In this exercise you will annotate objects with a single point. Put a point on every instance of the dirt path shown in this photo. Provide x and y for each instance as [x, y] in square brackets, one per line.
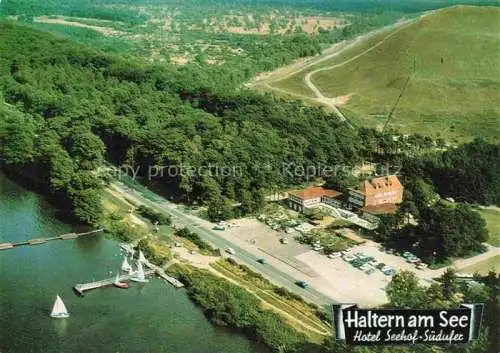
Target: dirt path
[332, 102]
[266, 80]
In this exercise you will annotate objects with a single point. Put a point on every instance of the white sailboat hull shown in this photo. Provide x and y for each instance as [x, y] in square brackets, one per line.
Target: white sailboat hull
[60, 315]
[140, 280]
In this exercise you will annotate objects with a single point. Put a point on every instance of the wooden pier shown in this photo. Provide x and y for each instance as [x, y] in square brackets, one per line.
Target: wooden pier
[81, 288]
[37, 241]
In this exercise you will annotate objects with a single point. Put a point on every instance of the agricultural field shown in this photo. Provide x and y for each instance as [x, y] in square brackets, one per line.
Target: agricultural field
[451, 92]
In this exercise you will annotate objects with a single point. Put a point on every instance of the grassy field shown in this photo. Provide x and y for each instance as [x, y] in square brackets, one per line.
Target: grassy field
[492, 218]
[483, 267]
[454, 90]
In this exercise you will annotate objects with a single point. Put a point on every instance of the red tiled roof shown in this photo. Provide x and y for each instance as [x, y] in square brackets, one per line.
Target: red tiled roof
[313, 192]
[381, 184]
[384, 208]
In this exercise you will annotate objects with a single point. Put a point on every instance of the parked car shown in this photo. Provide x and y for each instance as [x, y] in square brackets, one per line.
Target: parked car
[422, 266]
[380, 266]
[218, 227]
[284, 241]
[373, 263]
[361, 256]
[230, 251]
[390, 272]
[349, 258]
[357, 264]
[390, 251]
[302, 284]
[413, 260]
[364, 267]
[370, 271]
[334, 255]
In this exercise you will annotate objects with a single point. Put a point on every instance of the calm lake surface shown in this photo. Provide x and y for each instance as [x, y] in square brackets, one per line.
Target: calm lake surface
[154, 317]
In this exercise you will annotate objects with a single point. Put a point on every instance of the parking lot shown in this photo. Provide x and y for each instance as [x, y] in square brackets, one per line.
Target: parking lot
[334, 277]
[268, 242]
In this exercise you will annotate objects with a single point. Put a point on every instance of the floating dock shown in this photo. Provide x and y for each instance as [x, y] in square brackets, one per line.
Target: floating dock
[5, 246]
[37, 241]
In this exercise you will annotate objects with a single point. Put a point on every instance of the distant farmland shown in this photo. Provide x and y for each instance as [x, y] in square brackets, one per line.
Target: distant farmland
[453, 60]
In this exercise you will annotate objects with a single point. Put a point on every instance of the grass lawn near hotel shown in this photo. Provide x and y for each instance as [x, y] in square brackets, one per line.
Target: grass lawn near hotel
[483, 267]
[492, 218]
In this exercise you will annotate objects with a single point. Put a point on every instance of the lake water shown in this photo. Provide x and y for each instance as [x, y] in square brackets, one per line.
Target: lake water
[152, 317]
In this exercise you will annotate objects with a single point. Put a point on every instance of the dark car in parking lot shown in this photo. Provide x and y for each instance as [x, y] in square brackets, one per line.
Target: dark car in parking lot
[302, 284]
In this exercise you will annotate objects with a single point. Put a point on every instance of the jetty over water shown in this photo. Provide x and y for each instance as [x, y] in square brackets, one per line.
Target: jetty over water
[36, 241]
[80, 288]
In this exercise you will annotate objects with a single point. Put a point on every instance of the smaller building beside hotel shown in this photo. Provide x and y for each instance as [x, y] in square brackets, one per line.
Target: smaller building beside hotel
[301, 200]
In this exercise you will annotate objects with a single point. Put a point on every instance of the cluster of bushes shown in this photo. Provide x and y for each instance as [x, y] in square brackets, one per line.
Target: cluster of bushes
[123, 231]
[154, 217]
[150, 253]
[196, 240]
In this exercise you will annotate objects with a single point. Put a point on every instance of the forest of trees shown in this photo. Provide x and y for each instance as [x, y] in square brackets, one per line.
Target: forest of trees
[69, 108]
[66, 109]
[469, 173]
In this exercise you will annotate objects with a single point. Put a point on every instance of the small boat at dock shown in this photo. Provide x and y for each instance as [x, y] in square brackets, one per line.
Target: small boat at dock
[59, 310]
[119, 284]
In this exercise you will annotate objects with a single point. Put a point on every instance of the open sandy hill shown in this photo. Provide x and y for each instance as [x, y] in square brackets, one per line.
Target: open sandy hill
[452, 57]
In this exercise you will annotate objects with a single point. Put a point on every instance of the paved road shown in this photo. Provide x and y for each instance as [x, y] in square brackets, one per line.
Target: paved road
[179, 216]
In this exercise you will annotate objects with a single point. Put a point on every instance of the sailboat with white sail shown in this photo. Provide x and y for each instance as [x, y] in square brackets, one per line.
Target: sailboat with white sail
[139, 275]
[59, 310]
[141, 257]
[125, 265]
